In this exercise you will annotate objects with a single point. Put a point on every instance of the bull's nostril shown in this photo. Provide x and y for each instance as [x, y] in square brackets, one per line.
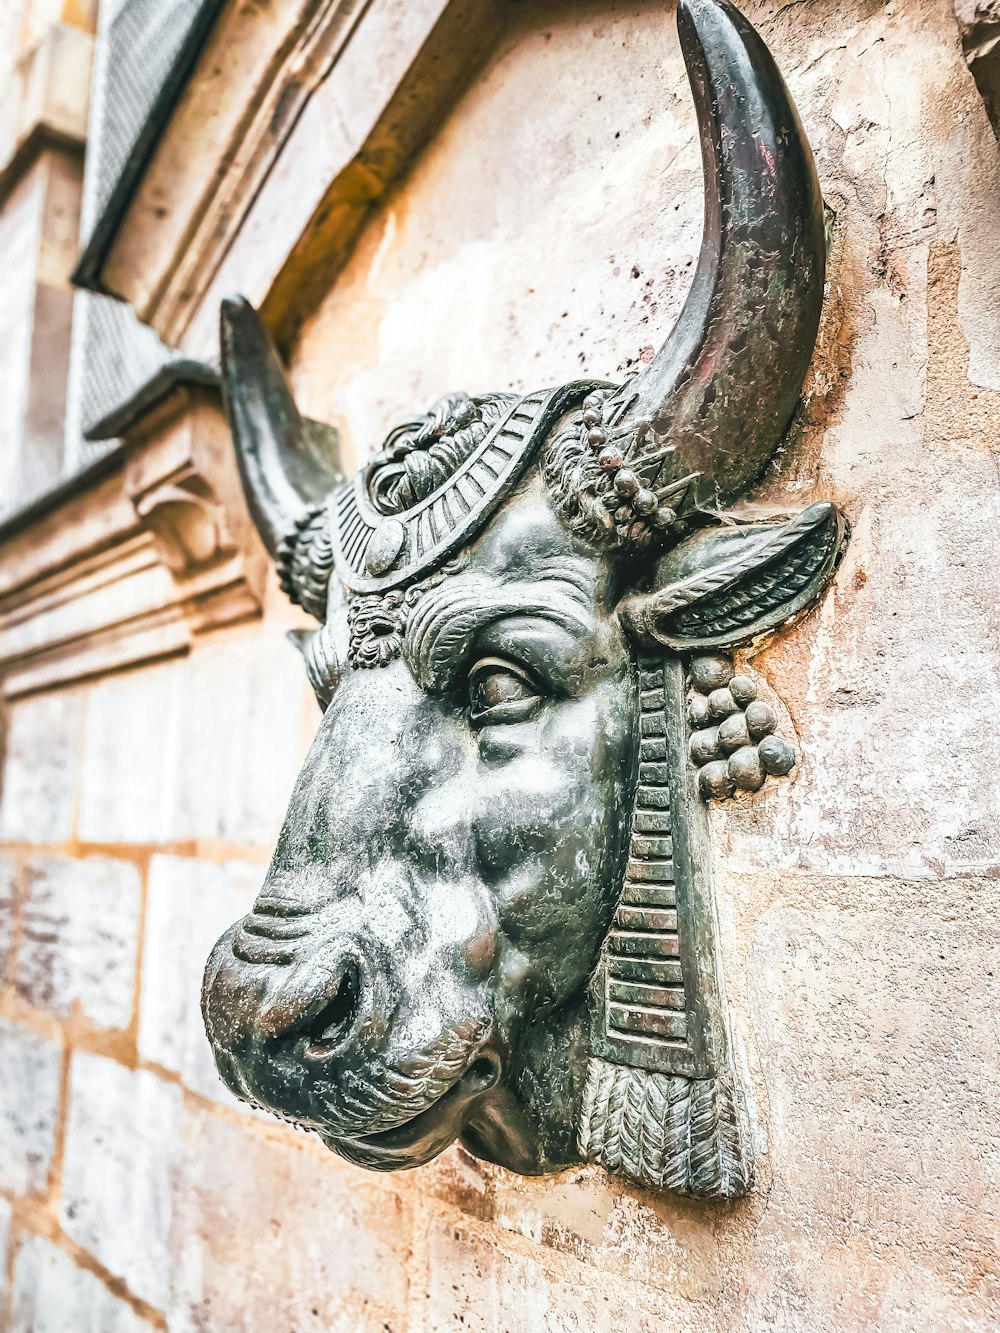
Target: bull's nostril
[484, 1073]
[326, 1026]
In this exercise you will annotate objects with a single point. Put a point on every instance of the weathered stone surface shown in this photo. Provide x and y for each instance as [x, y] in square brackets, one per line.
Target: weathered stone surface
[8, 909]
[50, 1294]
[466, 247]
[37, 230]
[615, 1228]
[190, 903]
[477, 1284]
[5, 1219]
[50, 84]
[36, 803]
[118, 1173]
[20, 224]
[79, 937]
[131, 746]
[204, 748]
[890, 780]
[250, 696]
[29, 1107]
[270, 1233]
[872, 1009]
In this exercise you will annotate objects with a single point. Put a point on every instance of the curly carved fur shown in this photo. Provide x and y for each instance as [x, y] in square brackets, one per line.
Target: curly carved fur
[305, 561]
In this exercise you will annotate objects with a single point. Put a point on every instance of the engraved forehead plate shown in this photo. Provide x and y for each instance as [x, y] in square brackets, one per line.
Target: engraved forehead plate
[441, 524]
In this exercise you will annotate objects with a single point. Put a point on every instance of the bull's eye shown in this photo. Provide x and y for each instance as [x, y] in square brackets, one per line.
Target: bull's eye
[499, 692]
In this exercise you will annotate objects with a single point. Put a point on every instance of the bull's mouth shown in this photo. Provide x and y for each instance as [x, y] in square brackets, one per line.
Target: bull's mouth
[417, 1140]
[308, 1048]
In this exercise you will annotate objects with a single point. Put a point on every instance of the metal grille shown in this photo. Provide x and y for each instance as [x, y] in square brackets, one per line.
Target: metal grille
[144, 54]
[146, 51]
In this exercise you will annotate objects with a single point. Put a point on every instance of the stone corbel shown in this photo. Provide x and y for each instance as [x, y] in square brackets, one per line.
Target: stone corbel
[187, 523]
[134, 565]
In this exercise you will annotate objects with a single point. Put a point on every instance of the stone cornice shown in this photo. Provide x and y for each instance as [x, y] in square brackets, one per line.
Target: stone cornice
[135, 562]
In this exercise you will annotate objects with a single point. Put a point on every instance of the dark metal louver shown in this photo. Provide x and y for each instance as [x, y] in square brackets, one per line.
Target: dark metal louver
[145, 53]
[149, 47]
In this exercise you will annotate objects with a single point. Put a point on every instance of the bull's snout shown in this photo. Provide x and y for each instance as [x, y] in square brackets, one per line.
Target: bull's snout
[314, 1009]
[320, 1015]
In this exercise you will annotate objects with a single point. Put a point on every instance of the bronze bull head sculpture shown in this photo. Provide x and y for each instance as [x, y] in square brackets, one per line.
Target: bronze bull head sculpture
[489, 916]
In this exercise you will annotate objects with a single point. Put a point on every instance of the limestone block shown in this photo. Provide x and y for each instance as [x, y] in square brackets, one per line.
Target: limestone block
[129, 759]
[887, 694]
[29, 1108]
[5, 1219]
[36, 803]
[48, 89]
[39, 225]
[875, 1028]
[8, 909]
[206, 748]
[50, 1294]
[79, 937]
[274, 1233]
[244, 738]
[20, 223]
[613, 1227]
[477, 1284]
[190, 903]
[118, 1173]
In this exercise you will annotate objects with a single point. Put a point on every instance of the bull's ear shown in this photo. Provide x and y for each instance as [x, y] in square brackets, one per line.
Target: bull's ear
[729, 586]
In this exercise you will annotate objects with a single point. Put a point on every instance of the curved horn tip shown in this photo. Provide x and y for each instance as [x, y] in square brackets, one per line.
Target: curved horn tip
[752, 312]
[695, 16]
[234, 301]
[692, 10]
[238, 319]
[284, 472]
[818, 513]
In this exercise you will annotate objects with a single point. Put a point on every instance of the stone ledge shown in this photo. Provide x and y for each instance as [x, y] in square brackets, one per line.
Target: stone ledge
[135, 563]
[48, 103]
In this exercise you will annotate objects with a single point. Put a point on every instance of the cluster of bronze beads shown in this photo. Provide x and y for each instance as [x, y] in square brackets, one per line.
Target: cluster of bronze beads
[732, 742]
[634, 506]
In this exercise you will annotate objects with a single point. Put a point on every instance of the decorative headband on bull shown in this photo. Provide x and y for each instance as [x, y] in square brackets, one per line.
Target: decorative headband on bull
[647, 472]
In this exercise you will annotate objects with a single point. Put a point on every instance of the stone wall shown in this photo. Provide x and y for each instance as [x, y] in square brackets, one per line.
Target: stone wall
[45, 51]
[549, 230]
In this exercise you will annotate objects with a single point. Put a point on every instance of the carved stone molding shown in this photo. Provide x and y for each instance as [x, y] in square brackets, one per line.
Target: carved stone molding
[46, 102]
[131, 566]
[296, 119]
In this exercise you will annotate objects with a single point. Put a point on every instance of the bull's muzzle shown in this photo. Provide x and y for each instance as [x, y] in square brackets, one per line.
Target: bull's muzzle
[306, 1022]
[266, 1002]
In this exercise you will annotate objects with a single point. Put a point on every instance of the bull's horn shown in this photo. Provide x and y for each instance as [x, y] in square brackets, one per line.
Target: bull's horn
[286, 464]
[721, 390]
